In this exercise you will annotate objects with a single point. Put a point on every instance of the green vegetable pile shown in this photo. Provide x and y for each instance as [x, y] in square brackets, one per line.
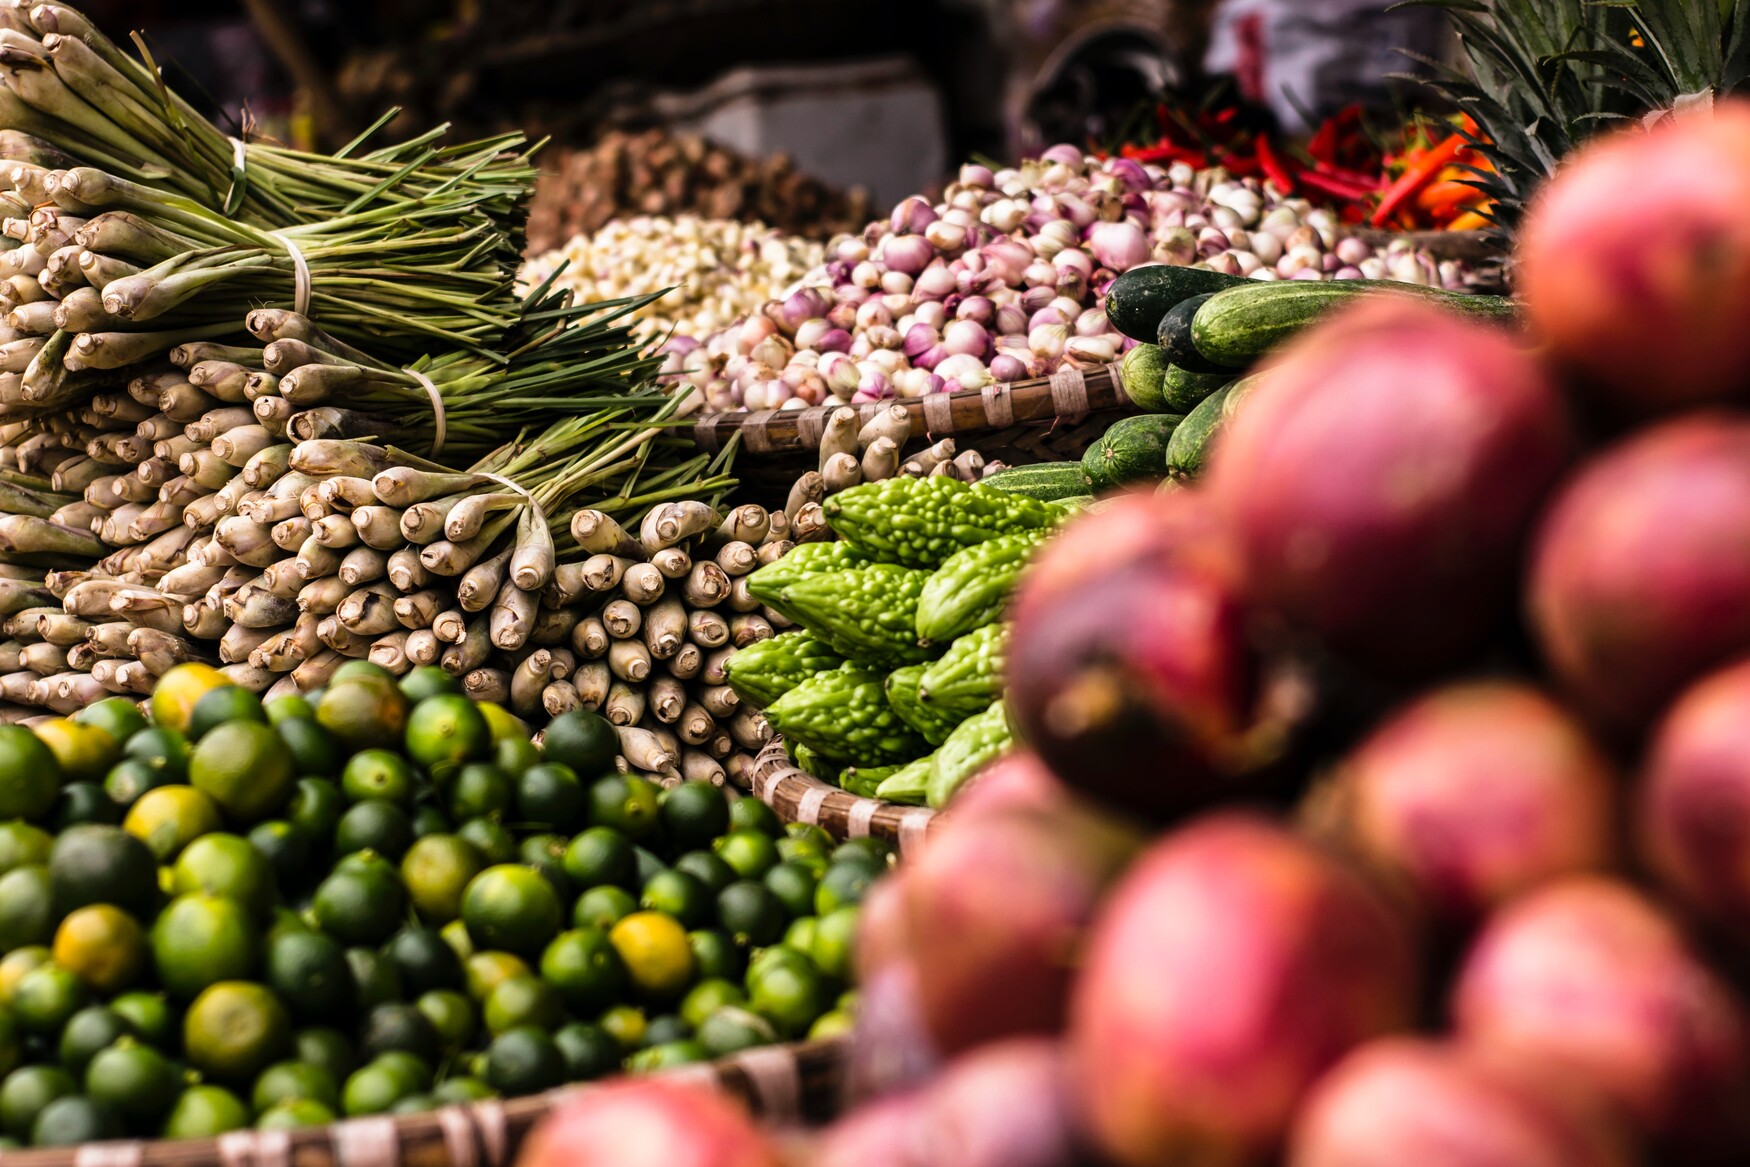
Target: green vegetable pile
[379, 898]
[892, 684]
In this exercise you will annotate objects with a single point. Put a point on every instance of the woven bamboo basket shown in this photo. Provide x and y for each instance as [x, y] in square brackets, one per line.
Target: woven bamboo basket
[783, 1085]
[800, 797]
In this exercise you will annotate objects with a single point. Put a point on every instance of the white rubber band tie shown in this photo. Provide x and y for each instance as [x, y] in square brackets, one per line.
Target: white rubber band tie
[437, 408]
[301, 277]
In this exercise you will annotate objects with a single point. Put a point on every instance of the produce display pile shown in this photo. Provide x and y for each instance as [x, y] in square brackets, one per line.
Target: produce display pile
[1004, 279]
[380, 898]
[1389, 781]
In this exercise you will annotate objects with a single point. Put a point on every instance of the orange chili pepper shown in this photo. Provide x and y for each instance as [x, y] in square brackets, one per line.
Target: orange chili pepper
[1419, 173]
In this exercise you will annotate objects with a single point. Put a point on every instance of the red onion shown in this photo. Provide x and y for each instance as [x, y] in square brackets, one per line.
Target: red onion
[928, 383]
[850, 252]
[1119, 246]
[972, 174]
[834, 340]
[843, 315]
[851, 294]
[1040, 275]
[1041, 293]
[934, 282]
[1063, 153]
[840, 372]
[773, 351]
[923, 342]
[1092, 323]
[1007, 259]
[963, 371]
[897, 302]
[881, 337]
[868, 275]
[752, 331]
[1130, 172]
[810, 331]
[1010, 319]
[873, 386]
[946, 237]
[896, 283]
[1077, 210]
[1048, 340]
[906, 253]
[872, 312]
[799, 306]
[1007, 368]
[933, 313]
[912, 215]
[966, 336]
[979, 309]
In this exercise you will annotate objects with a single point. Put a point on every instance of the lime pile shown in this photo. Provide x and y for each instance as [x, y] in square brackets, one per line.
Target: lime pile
[380, 897]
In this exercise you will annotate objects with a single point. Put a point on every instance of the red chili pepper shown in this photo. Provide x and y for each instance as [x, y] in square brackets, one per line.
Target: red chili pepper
[1332, 187]
[1420, 172]
[1274, 170]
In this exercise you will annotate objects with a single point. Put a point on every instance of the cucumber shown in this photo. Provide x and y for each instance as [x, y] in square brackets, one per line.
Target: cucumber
[1143, 371]
[1184, 390]
[1239, 326]
[1132, 450]
[1189, 449]
[1047, 482]
[1174, 338]
[1138, 299]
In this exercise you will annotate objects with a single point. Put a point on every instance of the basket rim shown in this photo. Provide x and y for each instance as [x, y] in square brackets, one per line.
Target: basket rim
[773, 1081]
[799, 797]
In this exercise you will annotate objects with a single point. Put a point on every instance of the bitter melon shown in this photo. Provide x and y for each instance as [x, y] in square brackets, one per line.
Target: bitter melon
[768, 584]
[866, 614]
[902, 694]
[844, 716]
[970, 674]
[766, 670]
[920, 522]
[977, 742]
[970, 589]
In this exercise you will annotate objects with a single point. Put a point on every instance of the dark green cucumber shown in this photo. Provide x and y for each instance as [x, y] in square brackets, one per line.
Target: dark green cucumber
[1189, 449]
[1138, 299]
[1047, 482]
[1185, 390]
[1143, 371]
[1239, 326]
[1132, 450]
[1174, 338]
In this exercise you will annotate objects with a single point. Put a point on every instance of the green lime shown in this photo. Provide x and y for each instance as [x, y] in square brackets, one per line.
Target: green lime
[455, 934]
[328, 1049]
[149, 1017]
[751, 913]
[546, 854]
[601, 855]
[834, 1023]
[731, 1029]
[751, 853]
[436, 870]
[479, 789]
[677, 894]
[650, 864]
[294, 1081]
[205, 1112]
[625, 802]
[429, 820]
[95, 864]
[177, 691]
[801, 933]
[461, 1090]
[163, 750]
[27, 913]
[234, 1030]
[803, 853]
[524, 1061]
[46, 997]
[119, 717]
[74, 1122]
[525, 1000]
[778, 956]
[428, 681]
[844, 883]
[794, 885]
[21, 844]
[835, 940]
[375, 979]
[866, 849]
[374, 1089]
[102, 946]
[512, 908]
[30, 776]
[85, 752]
[224, 704]
[168, 818]
[414, 1104]
[313, 749]
[360, 668]
[25, 1093]
[225, 865]
[299, 1114]
[626, 1024]
[583, 740]
[666, 1028]
[451, 1015]
[590, 1052]
[654, 949]
[585, 968]
[708, 868]
[601, 907]
[16, 963]
[708, 996]
[374, 825]
[414, 1072]
[130, 778]
[424, 961]
[502, 722]
[716, 955]
[378, 774]
[551, 797]
[357, 907]
[315, 807]
[514, 755]
[88, 1033]
[750, 814]
[491, 838]
[667, 1056]
[201, 939]
[285, 849]
[693, 814]
[80, 803]
[364, 712]
[485, 971]
[243, 768]
[790, 996]
[291, 707]
[310, 973]
[445, 730]
[136, 1081]
[399, 1027]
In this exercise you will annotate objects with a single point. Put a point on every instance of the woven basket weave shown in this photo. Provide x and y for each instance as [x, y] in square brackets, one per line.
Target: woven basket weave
[784, 1084]
[799, 797]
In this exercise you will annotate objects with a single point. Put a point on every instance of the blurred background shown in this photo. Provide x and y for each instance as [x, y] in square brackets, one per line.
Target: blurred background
[800, 113]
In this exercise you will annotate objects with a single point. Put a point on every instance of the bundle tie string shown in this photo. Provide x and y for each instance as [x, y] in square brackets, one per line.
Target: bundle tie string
[300, 268]
[503, 481]
[437, 406]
